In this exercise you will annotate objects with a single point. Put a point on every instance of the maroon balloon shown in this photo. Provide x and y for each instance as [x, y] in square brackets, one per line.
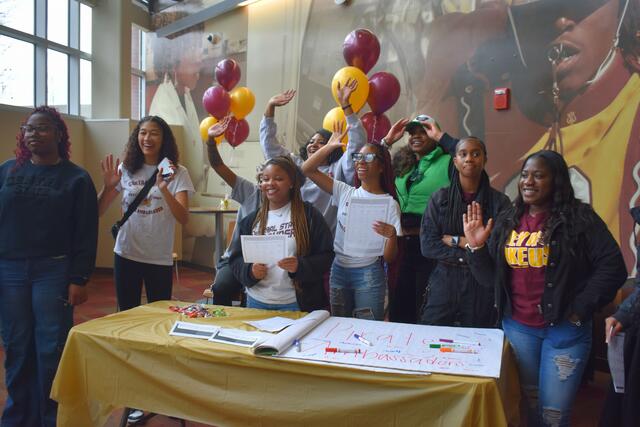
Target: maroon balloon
[384, 91]
[376, 125]
[237, 132]
[216, 101]
[228, 73]
[361, 49]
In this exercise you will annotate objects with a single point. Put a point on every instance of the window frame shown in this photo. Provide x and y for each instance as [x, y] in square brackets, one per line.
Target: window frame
[41, 44]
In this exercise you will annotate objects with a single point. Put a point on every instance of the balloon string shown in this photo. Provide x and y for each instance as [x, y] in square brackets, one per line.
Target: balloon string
[373, 129]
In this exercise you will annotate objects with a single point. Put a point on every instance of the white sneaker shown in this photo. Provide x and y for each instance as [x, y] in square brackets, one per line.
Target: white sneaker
[135, 415]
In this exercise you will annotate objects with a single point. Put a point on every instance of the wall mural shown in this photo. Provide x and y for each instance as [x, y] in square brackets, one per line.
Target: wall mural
[451, 55]
[179, 70]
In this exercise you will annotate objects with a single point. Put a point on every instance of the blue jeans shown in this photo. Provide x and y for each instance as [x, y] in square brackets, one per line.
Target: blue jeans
[254, 303]
[35, 322]
[551, 361]
[358, 292]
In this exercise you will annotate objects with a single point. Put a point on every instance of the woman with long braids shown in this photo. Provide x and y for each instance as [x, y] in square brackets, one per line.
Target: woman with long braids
[357, 282]
[453, 296]
[552, 263]
[295, 282]
[48, 238]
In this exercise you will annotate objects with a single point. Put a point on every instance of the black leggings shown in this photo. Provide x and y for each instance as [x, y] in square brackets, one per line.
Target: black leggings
[129, 275]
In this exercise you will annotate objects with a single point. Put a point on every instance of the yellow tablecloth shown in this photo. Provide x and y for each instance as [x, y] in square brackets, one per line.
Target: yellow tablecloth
[129, 359]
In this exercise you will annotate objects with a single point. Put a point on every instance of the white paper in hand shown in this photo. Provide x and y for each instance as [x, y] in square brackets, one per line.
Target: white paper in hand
[264, 249]
[360, 239]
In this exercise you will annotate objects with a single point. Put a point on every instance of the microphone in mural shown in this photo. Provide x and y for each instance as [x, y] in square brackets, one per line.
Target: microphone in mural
[226, 99]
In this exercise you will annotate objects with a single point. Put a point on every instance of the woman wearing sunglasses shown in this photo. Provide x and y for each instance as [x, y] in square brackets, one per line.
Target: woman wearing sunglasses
[357, 283]
[337, 164]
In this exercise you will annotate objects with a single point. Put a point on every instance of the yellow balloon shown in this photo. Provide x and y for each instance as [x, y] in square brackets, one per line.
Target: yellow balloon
[204, 129]
[336, 115]
[242, 102]
[359, 96]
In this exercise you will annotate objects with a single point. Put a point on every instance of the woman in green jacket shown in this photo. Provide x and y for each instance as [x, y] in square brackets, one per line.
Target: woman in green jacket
[422, 168]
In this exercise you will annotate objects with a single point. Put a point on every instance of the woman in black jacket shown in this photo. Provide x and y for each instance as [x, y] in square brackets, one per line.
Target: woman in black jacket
[553, 263]
[295, 282]
[453, 295]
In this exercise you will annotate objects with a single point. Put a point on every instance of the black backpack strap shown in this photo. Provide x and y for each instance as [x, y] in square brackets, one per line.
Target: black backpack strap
[136, 202]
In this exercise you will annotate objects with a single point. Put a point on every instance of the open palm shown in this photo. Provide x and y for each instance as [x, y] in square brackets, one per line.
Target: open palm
[474, 230]
[110, 171]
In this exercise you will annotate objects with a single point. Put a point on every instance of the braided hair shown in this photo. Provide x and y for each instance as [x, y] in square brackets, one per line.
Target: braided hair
[387, 178]
[457, 206]
[298, 217]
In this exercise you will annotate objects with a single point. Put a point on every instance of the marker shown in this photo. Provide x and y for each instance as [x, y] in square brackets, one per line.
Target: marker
[298, 345]
[445, 344]
[341, 350]
[362, 340]
[458, 342]
[457, 350]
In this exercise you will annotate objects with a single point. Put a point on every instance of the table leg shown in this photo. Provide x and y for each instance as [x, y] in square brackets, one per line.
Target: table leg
[219, 239]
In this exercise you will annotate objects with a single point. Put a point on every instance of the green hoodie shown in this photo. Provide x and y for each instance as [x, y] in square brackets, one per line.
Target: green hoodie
[433, 174]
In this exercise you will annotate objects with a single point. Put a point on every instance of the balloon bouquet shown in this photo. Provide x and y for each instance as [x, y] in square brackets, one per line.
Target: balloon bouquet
[221, 100]
[361, 50]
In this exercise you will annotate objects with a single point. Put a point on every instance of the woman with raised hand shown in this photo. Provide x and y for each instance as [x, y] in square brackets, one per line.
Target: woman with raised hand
[337, 164]
[552, 263]
[48, 238]
[247, 194]
[421, 168]
[143, 249]
[294, 282]
[453, 295]
[357, 282]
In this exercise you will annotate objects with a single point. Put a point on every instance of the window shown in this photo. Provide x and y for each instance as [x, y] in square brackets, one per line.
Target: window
[138, 67]
[46, 50]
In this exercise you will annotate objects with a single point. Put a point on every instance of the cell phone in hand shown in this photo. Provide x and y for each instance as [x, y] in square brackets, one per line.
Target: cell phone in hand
[165, 165]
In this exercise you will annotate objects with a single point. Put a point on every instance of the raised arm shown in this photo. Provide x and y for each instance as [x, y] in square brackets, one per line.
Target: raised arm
[111, 175]
[345, 168]
[214, 155]
[268, 128]
[311, 165]
[480, 258]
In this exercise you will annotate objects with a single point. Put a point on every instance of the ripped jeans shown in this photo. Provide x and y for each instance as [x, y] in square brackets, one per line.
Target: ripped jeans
[358, 291]
[550, 361]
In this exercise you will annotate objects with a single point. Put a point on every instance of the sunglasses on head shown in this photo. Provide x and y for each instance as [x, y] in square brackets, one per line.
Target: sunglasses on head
[366, 157]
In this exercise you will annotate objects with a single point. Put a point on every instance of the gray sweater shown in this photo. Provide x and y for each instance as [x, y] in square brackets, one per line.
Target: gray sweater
[342, 170]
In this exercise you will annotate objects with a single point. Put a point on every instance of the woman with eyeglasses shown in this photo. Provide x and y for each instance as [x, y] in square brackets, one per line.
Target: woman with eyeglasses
[421, 168]
[337, 164]
[48, 238]
[454, 298]
[552, 263]
[358, 283]
[295, 282]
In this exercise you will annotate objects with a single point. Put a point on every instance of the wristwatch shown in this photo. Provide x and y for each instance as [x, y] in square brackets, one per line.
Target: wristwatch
[455, 241]
[384, 142]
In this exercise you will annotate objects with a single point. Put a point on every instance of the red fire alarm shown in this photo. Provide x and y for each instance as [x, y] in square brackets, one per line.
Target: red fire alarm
[501, 98]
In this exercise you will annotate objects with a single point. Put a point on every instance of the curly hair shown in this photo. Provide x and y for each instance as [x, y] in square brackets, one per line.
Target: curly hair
[387, 178]
[133, 157]
[298, 217]
[629, 41]
[404, 160]
[64, 144]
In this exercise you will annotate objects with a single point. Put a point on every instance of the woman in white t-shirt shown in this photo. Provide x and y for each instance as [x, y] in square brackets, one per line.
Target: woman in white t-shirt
[295, 281]
[143, 250]
[358, 282]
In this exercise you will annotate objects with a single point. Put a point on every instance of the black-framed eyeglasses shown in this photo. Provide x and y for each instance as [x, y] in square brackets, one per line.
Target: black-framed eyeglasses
[366, 157]
[34, 129]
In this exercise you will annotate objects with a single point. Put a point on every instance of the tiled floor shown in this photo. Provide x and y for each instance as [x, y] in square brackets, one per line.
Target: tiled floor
[193, 282]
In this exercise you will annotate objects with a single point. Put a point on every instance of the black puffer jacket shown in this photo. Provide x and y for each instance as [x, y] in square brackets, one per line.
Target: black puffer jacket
[581, 276]
[310, 293]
